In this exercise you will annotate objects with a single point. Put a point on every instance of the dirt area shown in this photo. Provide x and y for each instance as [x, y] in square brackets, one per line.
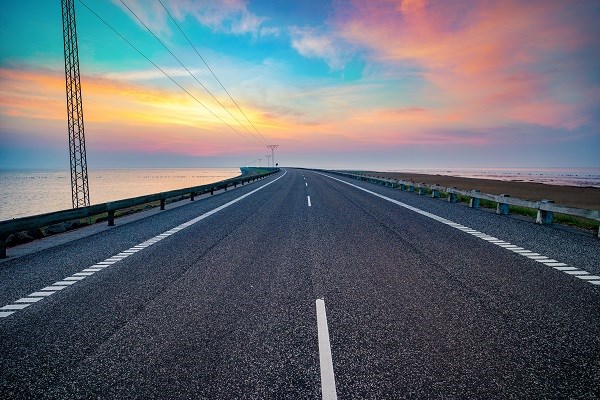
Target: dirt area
[581, 197]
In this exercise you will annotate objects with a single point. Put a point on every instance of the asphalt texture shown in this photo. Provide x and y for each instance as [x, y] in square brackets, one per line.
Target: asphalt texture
[225, 308]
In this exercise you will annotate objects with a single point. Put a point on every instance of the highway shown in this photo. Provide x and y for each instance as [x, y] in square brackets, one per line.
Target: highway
[306, 286]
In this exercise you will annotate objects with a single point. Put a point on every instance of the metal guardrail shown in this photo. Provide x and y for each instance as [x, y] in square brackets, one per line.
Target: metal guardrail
[545, 208]
[15, 225]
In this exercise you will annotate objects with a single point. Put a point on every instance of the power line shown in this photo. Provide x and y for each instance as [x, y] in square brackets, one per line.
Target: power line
[210, 69]
[188, 71]
[161, 70]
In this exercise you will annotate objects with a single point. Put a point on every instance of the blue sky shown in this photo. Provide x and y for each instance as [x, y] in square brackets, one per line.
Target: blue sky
[344, 84]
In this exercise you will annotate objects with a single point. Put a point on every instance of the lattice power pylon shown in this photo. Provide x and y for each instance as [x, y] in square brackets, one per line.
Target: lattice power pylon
[272, 147]
[79, 176]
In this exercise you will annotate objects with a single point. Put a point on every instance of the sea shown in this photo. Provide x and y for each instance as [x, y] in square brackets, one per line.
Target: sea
[31, 192]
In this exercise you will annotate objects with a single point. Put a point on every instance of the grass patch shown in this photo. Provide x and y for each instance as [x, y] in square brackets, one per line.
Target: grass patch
[528, 212]
[578, 222]
[487, 204]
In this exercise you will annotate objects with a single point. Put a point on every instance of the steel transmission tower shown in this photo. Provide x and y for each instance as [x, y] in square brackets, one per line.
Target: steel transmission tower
[79, 177]
[272, 147]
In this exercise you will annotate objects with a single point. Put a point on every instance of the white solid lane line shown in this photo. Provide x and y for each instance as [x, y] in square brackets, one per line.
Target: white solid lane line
[328, 390]
[76, 277]
[573, 271]
[308, 201]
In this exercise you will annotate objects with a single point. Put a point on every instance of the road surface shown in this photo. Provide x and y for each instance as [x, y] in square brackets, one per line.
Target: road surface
[310, 286]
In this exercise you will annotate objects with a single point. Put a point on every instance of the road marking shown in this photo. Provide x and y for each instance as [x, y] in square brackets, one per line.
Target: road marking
[29, 300]
[42, 294]
[4, 314]
[326, 361]
[74, 278]
[15, 306]
[62, 283]
[99, 266]
[306, 183]
[501, 243]
[308, 201]
[54, 288]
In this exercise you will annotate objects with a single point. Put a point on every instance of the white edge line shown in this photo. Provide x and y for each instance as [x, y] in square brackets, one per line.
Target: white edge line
[498, 242]
[49, 290]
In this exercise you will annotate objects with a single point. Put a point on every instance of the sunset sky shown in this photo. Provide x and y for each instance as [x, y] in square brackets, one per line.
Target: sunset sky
[342, 84]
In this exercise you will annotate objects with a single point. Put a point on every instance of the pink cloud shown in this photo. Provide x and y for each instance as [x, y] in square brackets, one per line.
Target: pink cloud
[491, 62]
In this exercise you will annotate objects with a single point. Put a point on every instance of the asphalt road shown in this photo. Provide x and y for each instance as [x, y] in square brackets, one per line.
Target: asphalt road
[306, 288]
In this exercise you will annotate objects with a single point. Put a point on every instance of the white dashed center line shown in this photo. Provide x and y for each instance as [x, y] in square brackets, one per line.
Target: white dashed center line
[78, 276]
[328, 390]
[308, 197]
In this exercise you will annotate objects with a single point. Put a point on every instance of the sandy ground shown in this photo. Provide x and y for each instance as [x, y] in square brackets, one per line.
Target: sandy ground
[581, 197]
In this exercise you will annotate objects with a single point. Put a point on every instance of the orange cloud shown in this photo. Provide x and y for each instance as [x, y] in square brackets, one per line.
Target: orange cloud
[121, 114]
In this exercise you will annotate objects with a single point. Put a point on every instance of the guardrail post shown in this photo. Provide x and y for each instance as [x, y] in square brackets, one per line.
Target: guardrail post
[111, 218]
[502, 208]
[225, 187]
[422, 188]
[3, 247]
[162, 204]
[452, 197]
[212, 191]
[435, 192]
[544, 217]
[474, 201]
[192, 195]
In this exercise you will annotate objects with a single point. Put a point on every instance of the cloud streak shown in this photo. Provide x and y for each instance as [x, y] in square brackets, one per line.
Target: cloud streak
[229, 16]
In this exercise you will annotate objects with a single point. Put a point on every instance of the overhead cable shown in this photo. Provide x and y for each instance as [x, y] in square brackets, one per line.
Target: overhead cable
[163, 71]
[188, 71]
[209, 68]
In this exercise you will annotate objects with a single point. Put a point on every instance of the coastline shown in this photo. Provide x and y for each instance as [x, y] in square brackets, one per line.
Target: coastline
[572, 196]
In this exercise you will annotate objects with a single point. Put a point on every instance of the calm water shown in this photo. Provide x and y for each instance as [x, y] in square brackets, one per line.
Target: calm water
[550, 176]
[30, 192]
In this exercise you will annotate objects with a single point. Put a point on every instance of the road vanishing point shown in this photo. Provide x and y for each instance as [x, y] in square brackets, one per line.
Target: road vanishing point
[305, 285]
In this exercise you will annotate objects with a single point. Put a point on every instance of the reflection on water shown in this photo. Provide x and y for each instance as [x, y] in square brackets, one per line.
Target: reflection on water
[30, 192]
